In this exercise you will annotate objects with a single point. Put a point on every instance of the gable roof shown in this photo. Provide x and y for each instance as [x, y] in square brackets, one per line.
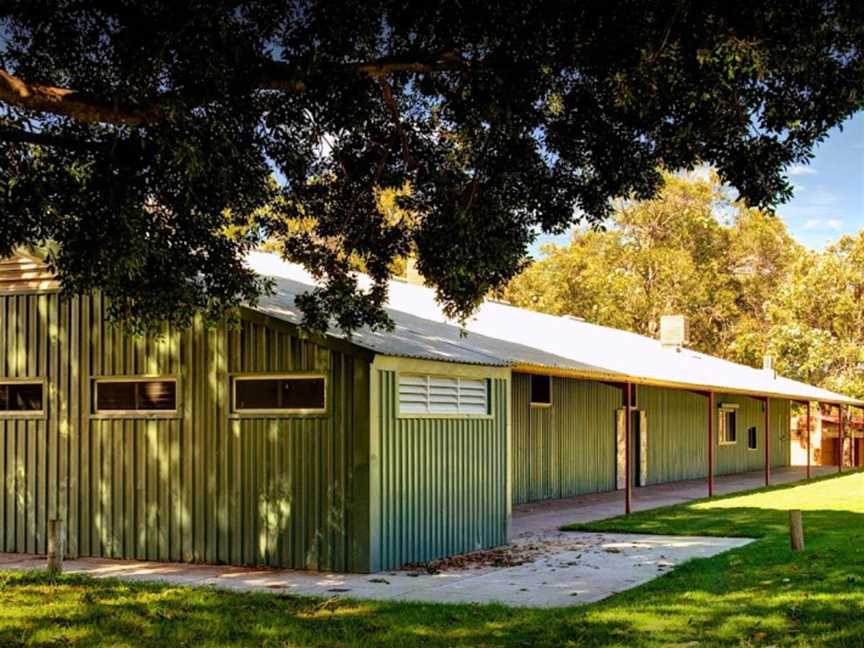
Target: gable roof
[503, 335]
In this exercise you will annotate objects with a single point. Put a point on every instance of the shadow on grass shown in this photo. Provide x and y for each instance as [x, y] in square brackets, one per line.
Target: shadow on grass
[79, 611]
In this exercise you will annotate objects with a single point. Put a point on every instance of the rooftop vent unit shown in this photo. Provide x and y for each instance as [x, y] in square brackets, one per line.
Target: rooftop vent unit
[674, 331]
[768, 365]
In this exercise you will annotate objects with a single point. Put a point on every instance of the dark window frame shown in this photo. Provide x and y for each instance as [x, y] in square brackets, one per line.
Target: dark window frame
[277, 411]
[532, 394]
[135, 411]
[752, 438]
[5, 384]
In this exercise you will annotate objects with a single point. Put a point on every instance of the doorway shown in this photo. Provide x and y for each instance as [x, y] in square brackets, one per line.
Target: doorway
[638, 448]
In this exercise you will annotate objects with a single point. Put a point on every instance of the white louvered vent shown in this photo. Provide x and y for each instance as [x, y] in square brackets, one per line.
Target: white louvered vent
[438, 395]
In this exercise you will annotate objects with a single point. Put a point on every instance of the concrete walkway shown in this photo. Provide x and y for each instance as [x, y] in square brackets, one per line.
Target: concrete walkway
[576, 568]
[543, 518]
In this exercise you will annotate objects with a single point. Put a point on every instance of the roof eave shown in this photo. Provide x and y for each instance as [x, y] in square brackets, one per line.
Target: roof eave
[638, 380]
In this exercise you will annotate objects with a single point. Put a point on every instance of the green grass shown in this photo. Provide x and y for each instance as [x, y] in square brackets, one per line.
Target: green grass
[759, 595]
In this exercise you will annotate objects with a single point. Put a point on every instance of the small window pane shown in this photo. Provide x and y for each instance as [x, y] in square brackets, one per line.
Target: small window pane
[541, 390]
[157, 395]
[279, 394]
[21, 397]
[304, 393]
[136, 395]
[752, 438]
[728, 433]
[257, 394]
[115, 396]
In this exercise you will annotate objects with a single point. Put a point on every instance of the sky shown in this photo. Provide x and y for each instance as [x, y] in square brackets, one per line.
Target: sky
[828, 199]
[829, 192]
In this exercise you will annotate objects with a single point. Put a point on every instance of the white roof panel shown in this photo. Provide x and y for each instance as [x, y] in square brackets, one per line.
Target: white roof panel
[503, 335]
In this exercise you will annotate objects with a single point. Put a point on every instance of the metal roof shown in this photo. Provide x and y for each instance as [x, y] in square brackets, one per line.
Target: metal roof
[503, 335]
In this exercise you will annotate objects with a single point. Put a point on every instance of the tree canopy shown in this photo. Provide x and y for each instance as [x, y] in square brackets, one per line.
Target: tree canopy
[153, 143]
[748, 288]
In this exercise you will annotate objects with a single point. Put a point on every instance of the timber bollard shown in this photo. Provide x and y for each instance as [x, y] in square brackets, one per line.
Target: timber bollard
[56, 546]
[796, 530]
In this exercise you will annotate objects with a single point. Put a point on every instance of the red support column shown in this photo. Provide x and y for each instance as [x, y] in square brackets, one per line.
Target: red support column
[841, 441]
[809, 444]
[710, 444]
[767, 441]
[628, 466]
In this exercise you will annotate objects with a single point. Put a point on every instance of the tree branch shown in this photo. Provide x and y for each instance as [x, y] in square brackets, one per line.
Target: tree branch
[69, 103]
[272, 75]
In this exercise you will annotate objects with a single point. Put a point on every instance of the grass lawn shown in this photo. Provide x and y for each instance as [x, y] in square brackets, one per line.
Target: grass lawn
[759, 595]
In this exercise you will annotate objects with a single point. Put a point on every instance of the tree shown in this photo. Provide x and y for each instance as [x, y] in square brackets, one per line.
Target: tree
[689, 250]
[815, 322]
[138, 136]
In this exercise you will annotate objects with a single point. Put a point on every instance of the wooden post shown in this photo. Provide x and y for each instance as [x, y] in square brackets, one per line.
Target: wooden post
[809, 443]
[796, 530]
[767, 441]
[56, 546]
[628, 466]
[710, 444]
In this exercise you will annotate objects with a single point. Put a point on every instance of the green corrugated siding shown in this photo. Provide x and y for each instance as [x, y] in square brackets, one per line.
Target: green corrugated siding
[442, 481]
[677, 434]
[199, 487]
[566, 449]
[781, 425]
[569, 448]
[751, 412]
[677, 423]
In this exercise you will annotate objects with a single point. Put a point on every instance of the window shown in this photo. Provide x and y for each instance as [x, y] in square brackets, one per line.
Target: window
[752, 439]
[280, 394]
[728, 431]
[541, 390]
[424, 394]
[136, 395]
[21, 397]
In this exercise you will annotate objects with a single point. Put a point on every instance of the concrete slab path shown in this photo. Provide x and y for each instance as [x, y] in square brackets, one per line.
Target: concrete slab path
[542, 518]
[575, 568]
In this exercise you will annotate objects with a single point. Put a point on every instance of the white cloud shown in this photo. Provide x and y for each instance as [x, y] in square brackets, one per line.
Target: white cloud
[823, 224]
[800, 170]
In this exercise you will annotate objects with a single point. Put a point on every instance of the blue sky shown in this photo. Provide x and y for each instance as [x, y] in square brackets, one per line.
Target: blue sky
[829, 192]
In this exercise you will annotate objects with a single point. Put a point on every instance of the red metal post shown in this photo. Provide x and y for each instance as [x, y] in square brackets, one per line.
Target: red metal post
[710, 444]
[841, 439]
[767, 442]
[628, 468]
[809, 444]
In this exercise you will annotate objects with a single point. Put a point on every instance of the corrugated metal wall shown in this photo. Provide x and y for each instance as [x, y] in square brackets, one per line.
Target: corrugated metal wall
[565, 449]
[678, 441]
[201, 486]
[442, 481]
[677, 423]
[569, 448]
[738, 458]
